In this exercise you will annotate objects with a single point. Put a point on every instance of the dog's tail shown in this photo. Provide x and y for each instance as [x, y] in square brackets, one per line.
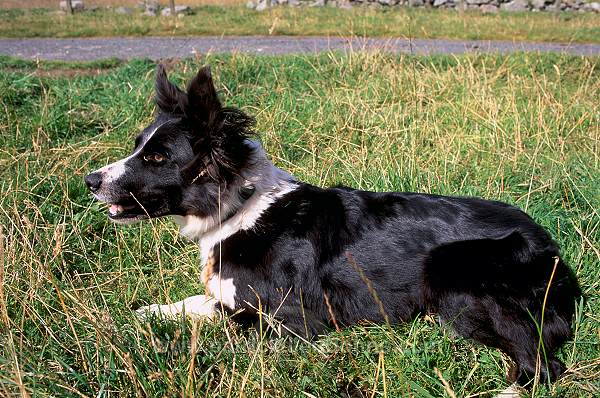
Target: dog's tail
[505, 293]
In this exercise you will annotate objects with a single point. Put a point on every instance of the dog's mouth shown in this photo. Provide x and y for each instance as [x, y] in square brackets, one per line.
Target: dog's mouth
[127, 212]
[118, 211]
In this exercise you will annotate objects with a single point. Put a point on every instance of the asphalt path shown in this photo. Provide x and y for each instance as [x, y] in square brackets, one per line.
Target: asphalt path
[87, 49]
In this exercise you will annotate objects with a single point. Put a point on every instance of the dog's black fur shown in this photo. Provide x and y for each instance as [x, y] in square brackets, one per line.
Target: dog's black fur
[317, 256]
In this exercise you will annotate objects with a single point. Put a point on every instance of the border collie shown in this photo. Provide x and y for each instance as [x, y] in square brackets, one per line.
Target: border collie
[313, 258]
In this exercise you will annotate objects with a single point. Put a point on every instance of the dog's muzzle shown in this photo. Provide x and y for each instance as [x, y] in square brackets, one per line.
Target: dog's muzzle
[93, 181]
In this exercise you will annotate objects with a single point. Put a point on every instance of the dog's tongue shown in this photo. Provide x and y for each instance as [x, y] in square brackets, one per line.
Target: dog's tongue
[115, 209]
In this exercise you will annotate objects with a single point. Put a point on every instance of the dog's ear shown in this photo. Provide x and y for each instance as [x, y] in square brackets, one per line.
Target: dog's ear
[203, 104]
[169, 98]
[222, 131]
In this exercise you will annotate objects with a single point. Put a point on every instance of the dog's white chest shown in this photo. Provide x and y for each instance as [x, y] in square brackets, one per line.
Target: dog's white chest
[217, 287]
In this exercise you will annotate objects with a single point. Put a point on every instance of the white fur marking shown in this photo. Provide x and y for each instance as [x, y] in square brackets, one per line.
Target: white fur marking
[223, 290]
[196, 307]
[112, 172]
[510, 392]
[193, 226]
[244, 219]
[270, 183]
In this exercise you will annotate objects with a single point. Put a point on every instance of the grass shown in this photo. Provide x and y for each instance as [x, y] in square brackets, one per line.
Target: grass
[237, 20]
[522, 128]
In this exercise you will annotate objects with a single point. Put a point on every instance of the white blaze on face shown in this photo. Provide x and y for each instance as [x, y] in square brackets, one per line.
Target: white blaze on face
[113, 172]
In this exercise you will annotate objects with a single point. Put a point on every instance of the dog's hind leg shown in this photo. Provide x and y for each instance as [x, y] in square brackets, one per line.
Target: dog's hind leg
[500, 292]
[500, 326]
[195, 307]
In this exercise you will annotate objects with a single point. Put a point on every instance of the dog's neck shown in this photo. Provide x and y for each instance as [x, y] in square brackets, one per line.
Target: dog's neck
[263, 183]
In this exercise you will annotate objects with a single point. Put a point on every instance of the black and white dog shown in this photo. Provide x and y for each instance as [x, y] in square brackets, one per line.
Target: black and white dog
[313, 257]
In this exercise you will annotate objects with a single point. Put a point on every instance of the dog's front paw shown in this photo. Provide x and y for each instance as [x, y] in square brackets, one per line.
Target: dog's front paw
[146, 312]
[198, 307]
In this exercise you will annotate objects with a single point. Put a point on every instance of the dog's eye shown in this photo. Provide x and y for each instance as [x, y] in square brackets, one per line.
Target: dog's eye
[154, 158]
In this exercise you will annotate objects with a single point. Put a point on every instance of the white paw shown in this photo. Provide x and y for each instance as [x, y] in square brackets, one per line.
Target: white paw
[147, 311]
[195, 307]
[510, 392]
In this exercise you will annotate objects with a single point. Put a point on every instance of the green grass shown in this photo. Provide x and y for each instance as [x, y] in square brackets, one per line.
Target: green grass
[523, 129]
[237, 20]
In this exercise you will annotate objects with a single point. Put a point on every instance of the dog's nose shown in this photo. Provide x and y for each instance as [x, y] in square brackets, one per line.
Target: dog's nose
[93, 181]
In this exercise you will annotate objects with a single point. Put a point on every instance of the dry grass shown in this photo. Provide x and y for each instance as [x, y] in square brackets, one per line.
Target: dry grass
[522, 128]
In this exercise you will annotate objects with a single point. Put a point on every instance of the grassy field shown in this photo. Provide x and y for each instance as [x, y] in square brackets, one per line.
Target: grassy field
[523, 129]
[237, 20]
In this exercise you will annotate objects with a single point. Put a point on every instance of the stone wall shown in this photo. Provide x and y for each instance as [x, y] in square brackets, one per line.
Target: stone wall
[489, 6]
[150, 8]
[153, 8]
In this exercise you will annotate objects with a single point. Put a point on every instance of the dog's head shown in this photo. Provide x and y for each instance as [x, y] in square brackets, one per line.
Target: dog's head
[184, 163]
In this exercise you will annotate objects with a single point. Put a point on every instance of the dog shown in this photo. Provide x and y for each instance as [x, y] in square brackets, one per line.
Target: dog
[313, 258]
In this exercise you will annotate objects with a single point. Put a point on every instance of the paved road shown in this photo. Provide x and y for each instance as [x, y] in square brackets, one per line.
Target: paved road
[180, 47]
